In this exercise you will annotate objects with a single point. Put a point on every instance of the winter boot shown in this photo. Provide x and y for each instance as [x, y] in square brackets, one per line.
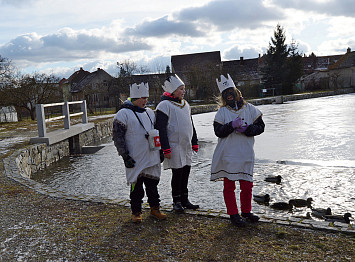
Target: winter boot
[250, 217]
[178, 207]
[189, 205]
[155, 212]
[185, 201]
[137, 217]
[237, 220]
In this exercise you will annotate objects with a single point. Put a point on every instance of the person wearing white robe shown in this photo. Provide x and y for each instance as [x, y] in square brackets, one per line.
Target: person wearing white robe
[178, 139]
[235, 124]
[143, 165]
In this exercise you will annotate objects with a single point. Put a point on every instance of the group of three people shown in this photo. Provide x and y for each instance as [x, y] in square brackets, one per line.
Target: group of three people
[236, 123]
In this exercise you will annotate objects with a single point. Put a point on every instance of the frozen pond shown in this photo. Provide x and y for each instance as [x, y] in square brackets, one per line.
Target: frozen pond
[310, 143]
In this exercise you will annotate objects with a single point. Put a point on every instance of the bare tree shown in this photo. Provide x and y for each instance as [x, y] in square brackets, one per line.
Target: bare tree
[155, 90]
[6, 68]
[127, 68]
[28, 90]
[159, 67]
[7, 72]
[142, 69]
[334, 78]
[120, 84]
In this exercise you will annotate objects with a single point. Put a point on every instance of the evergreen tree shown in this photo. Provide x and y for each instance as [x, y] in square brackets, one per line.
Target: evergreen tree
[294, 66]
[283, 64]
[275, 60]
[167, 70]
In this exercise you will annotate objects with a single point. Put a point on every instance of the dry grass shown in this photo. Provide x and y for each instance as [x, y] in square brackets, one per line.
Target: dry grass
[80, 231]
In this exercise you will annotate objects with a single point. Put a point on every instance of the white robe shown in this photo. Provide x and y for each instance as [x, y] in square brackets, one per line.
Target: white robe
[234, 155]
[147, 161]
[179, 132]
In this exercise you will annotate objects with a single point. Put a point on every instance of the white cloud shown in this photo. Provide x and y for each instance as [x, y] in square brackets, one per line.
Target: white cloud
[339, 46]
[230, 14]
[341, 27]
[68, 44]
[98, 34]
[303, 48]
[236, 52]
[17, 3]
[330, 7]
[164, 27]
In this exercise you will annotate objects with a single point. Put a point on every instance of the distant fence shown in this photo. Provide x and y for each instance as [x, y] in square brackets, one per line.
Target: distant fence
[41, 120]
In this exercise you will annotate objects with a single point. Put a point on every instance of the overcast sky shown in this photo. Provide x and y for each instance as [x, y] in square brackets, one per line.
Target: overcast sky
[60, 36]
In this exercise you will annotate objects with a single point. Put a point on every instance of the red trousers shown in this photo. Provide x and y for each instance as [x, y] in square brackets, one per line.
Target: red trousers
[230, 199]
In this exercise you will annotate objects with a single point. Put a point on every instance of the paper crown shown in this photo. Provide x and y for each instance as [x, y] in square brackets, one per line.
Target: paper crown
[225, 83]
[138, 91]
[172, 83]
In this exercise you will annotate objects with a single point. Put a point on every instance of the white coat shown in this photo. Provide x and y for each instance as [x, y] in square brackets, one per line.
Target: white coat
[179, 131]
[234, 155]
[147, 161]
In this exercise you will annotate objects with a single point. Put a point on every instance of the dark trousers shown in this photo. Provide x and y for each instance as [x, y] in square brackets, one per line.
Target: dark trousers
[179, 183]
[137, 193]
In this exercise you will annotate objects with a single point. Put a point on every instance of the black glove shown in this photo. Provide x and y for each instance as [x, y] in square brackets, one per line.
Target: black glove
[128, 161]
[161, 156]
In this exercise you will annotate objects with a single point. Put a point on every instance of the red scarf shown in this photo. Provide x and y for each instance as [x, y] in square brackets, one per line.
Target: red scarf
[168, 94]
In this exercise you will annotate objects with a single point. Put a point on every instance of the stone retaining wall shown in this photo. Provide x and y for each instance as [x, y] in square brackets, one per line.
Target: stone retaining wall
[95, 135]
[203, 109]
[320, 94]
[39, 156]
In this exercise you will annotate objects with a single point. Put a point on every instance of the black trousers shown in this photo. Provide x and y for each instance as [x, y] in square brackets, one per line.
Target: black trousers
[179, 183]
[137, 193]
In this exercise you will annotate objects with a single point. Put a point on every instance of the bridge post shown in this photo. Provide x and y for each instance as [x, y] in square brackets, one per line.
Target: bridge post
[85, 113]
[74, 145]
[66, 113]
[41, 120]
